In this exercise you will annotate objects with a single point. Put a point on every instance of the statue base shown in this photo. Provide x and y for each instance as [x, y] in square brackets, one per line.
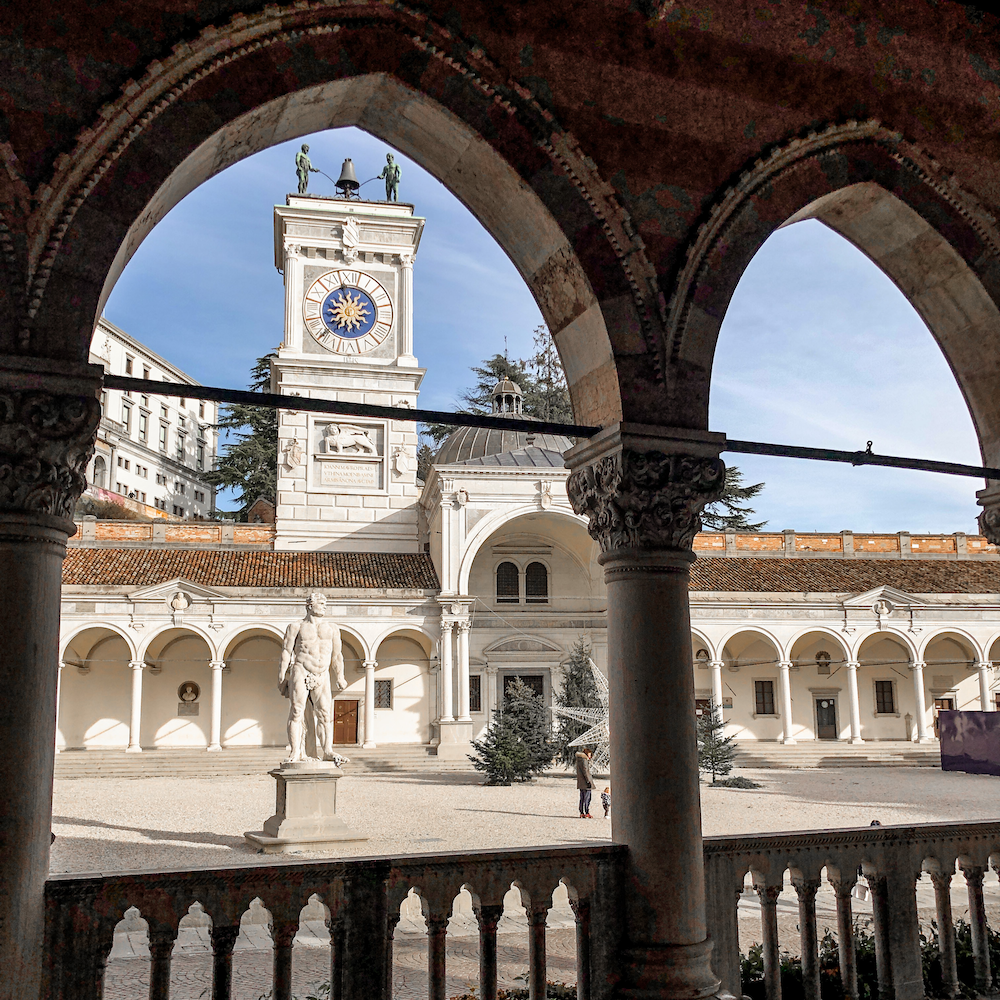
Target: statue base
[305, 812]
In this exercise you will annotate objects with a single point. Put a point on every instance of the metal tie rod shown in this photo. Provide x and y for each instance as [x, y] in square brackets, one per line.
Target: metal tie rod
[510, 423]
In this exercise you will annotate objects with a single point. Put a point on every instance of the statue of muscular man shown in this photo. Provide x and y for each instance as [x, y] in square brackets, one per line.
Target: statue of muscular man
[310, 650]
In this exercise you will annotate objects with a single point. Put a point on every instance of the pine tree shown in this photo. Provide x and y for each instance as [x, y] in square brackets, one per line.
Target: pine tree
[578, 691]
[425, 459]
[729, 513]
[716, 751]
[518, 744]
[250, 463]
[546, 395]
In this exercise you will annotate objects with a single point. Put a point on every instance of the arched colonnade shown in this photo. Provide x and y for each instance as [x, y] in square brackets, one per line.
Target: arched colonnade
[812, 683]
[186, 686]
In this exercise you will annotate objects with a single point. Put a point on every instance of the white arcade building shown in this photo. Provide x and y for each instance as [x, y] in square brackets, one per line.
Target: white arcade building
[445, 589]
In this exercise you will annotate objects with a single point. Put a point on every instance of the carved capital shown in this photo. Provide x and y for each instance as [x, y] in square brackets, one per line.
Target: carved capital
[646, 500]
[46, 440]
[989, 520]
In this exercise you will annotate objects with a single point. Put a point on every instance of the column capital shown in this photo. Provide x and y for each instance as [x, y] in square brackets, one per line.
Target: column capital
[370, 664]
[785, 664]
[852, 664]
[137, 664]
[447, 624]
[217, 664]
[463, 625]
[989, 520]
[645, 487]
[918, 665]
[49, 414]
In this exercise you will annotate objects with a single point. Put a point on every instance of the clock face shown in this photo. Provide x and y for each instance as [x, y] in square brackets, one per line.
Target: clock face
[347, 312]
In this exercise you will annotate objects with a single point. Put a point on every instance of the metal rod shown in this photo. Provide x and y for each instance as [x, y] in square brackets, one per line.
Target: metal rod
[511, 423]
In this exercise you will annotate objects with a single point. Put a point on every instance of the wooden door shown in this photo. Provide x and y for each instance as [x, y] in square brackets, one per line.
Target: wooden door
[826, 719]
[345, 721]
[942, 705]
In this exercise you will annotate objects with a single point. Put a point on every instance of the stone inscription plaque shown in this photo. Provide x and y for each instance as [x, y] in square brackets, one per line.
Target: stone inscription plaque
[187, 708]
[350, 474]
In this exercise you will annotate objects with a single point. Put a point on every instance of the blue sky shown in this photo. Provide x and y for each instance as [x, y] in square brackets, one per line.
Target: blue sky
[818, 347]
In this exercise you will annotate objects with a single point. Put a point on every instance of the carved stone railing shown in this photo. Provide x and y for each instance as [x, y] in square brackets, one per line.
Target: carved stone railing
[362, 899]
[891, 860]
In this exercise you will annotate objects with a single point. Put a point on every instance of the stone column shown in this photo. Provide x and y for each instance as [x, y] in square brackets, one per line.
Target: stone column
[643, 489]
[785, 685]
[918, 694]
[48, 422]
[447, 698]
[369, 742]
[58, 701]
[293, 315]
[985, 702]
[135, 716]
[491, 691]
[463, 671]
[215, 743]
[853, 701]
[716, 668]
[405, 318]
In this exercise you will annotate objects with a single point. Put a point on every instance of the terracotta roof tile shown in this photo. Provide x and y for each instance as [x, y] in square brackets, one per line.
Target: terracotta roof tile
[826, 576]
[230, 568]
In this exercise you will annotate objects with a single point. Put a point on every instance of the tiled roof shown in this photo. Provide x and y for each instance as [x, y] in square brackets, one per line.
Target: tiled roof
[228, 568]
[826, 576]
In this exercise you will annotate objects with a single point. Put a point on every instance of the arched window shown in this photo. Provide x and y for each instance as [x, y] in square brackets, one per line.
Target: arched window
[508, 590]
[100, 471]
[536, 584]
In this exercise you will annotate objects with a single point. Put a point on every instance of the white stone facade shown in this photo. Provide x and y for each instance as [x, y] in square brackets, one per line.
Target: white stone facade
[151, 448]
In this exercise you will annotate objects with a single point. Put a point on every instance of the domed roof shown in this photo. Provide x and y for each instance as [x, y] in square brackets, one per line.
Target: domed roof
[506, 385]
[479, 442]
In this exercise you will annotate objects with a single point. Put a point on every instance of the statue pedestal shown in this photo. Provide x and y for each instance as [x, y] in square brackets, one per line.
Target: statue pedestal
[305, 813]
[456, 740]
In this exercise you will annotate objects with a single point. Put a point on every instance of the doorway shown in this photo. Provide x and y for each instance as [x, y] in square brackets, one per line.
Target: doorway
[345, 721]
[942, 705]
[826, 719]
[534, 682]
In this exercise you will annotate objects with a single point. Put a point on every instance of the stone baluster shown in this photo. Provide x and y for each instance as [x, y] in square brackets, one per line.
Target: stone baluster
[361, 950]
[642, 490]
[135, 713]
[581, 910]
[488, 916]
[223, 941]
[337, 930]
[392, 920]
[946, 931]
[768, 895]
[977, 922]
[880, 927]
[437, 933]
[538, 914]
[161, 946]
[283, 933]
[846, 952]
[805, 890]
[724, 882]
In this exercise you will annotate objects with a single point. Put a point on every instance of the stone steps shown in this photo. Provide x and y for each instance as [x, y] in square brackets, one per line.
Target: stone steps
[834, 754]
[236, 761]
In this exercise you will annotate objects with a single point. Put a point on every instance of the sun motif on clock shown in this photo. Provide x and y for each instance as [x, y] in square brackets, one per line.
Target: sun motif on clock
[348, 312]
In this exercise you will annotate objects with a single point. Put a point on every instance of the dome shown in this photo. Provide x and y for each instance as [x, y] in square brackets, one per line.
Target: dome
[479, 442]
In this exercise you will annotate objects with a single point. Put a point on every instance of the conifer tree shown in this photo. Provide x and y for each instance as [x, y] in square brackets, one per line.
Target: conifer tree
[518, 744]
[730, 513]
[578, 690]
[716, 751]
[250, 462]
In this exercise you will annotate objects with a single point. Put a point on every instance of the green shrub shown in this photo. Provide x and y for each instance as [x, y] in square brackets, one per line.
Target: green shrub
[737, 782]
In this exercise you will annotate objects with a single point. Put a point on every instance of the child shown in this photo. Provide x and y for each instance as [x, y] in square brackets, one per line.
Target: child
[606, 801]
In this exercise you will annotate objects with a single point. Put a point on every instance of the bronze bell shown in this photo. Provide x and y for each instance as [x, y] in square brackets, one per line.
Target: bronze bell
[348, 183]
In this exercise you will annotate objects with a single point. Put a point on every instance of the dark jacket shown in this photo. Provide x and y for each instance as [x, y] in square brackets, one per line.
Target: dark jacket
[584, 779]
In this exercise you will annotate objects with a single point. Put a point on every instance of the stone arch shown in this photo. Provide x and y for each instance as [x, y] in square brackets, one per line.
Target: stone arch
[887, 632]
[863, 181]
[79, 630]
[357, 640]
[797, 639]
[489, 525]
[756, 630]
[956, 634]
[527, 181]
[151, 641]
[235, 639]
[698, 634]
[253, 711]
[422, 636]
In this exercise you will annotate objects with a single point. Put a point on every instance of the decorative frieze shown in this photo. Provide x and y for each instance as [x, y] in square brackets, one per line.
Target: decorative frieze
[646, 500]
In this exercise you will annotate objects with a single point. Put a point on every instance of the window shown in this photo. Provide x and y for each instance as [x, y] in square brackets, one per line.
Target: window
[163, 411]
[142, 470]
[536, 584]
[121, 461]
[163, 437]
[145, 400]
[885, 701]
[143, 427]
[201, 455]
[128, 365]
[507, 584]
[178, 511]
[201, 410]
[383, 694]
[104, 401]
[535, 682]
[142, 497]
[162, 504]
[161, 480]
[180, 445]
[127, 465]
[764, 697]
[119, 488]
[475, 693]
[199, 496]
[145, 371]
[127, 417]
[184, 404]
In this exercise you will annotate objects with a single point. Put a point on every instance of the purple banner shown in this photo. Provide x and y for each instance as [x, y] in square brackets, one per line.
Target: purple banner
[970, 741]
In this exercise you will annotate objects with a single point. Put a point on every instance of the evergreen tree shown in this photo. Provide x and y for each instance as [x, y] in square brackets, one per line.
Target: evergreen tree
[730, 513]
[546, 395]
[578, 691]
[425, 459]
[250, 462]
[716, 751]
[518, 744]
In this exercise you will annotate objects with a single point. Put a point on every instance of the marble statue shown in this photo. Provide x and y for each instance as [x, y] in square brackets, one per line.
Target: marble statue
[310, 651]
[391, 174]
[303, 168]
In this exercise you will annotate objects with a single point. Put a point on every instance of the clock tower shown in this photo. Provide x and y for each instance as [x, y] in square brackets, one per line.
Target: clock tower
[346, 484]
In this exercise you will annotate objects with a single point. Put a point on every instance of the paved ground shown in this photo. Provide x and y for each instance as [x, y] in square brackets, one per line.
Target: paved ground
[110, 824]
